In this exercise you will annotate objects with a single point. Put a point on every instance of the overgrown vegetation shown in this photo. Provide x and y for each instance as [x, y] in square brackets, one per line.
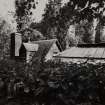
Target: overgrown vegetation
[52, 83]
[5, 30]
[57, 19]
[23, 13]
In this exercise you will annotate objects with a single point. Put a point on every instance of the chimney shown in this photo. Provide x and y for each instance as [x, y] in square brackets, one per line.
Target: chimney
[16, 41]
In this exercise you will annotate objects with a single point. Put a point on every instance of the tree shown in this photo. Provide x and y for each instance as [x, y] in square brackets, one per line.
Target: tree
[32, 35]
[50, 17]
[75, 11]
[54, 26]
[23, 13]
[5, 31]
[84, 32]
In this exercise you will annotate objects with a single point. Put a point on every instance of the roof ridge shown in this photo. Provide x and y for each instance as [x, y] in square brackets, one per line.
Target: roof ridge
[45, 40]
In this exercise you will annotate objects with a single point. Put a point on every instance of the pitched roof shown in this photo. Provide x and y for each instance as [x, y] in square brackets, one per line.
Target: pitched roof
[83, 53]
[30, 46]
[44, 47]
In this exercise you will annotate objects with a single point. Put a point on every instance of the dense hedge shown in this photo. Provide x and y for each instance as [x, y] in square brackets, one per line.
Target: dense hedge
[52, 83]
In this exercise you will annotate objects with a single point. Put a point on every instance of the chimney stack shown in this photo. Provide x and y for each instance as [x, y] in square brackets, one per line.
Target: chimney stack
[16, 42]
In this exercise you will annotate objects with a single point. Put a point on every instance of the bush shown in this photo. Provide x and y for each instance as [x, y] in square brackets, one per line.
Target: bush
[52, 83]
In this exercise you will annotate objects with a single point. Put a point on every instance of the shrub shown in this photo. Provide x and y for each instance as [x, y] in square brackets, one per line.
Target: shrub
[52, 83]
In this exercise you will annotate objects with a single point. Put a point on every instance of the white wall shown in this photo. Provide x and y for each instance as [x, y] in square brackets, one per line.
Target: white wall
[18, 43]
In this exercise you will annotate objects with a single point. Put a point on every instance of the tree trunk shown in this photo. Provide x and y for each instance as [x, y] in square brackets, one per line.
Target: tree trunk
[98, 34]
[95, 22]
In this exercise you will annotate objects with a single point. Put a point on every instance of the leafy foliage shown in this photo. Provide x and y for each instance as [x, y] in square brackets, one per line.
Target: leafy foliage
[87, 9]
[75, 11]
[84, 32]
[72, 12]
[52, 83]
[23, 13]
[5, 31]
[54, 26]
[32, 35]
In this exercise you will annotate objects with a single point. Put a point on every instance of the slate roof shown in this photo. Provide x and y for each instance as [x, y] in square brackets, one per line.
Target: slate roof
[44, 46]
[83, 51]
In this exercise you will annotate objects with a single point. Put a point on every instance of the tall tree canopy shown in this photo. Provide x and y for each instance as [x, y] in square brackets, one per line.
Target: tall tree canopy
[23, 13]
[76, 11]
[84, 9]
[50, 18]
[53, 22]
[72, 12]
